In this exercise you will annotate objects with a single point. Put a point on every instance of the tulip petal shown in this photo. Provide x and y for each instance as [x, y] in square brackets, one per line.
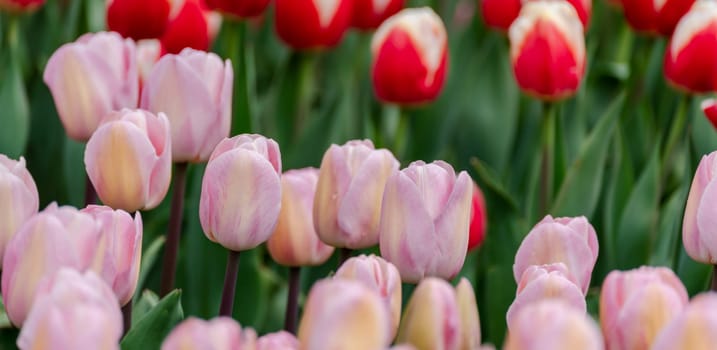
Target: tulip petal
[452, 228]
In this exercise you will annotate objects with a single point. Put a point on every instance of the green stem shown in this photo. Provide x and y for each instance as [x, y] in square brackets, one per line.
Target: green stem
[547, 157]
[677, 133]
[239, 53]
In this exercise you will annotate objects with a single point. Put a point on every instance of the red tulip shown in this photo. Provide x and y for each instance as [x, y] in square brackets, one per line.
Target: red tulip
[655, 16]
[709, 107]
[479, 219]
[500, 14]
[138, 19]
[20, 5]
[312, 24]
[190, 25]
[239, 8]
[369, 14]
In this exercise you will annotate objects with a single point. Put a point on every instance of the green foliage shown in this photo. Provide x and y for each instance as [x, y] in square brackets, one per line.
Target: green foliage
[154, 325]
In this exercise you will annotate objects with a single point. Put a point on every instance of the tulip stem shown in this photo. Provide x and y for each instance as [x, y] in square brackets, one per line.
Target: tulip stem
[169, 265]
[90, 194]
[239, 53]
[344, 254]
[127, 317]
[713, 287]
[230, 284]
[677, 133]
[547, 158]
[292, 301]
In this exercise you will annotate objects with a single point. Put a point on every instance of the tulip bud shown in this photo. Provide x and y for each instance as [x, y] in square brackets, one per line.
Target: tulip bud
[547, 49]
[694, 329]
[347, 205]
[432, 320]
[241, 192]
[379, 275]
[294, 241]
[191, 25]
[709, 107]
[410, 57]
[128, 160]
[17, 6]
[312, 24]
[571, 241]
[635, 305]
[221, 333]
[369, 14]
[138, 19]
[90, 78]
[542, 283]
[344, 314]
[699, 230]
[655, 16]
[425, 219]
[553, 324]
[479, 219]
[278, 341]
[500, 14]
[73, 311]
[691, 55]
[240, 9]
[194, 90]
[119, 251]
[54, 238]
[470, 322]
[19, 199]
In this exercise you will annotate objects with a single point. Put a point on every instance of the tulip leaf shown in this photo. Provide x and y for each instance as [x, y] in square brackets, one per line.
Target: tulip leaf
[638, 222]
[491, 182]
[497, 297]
[15, 117]
[583, 182]
[146, 302]
[151, 329]
[74, 171]
[149, 257]
[670, 230]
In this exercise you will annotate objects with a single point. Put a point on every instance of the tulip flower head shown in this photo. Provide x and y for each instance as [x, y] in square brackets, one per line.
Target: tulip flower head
[691, 56]
[553, 324]
[410, 57]
[479, 219]
[655, 17]
[241, 192]
[547, 49]
[432, 320]
[312, 24]
[470, 321]
[129, 160]
[90, 78]
[379, 275]
[119, 251]
[191, 25]
[349, 194]
[221, 333]
[19, 6]
[239, 9]
[194, 90]
[19, 200]
[54, 238]
[73, 311]
[425, 220]
[138, 19]
[699, 228]
[500, 14]
[369, 14]
[570, 241]
[278, 341]
[344, 314]
[149, 51]
[636, 305]
[695, 328]
[294, 241]
[709, 107]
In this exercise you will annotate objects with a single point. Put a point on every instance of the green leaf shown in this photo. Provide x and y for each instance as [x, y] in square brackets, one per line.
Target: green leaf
[146, 303]
[670, 233]
[580, 191]
[15, 117]
[496, 297]
[151, 329]
[74, 171]
[149, 257]
[638, 223]
[491, 182]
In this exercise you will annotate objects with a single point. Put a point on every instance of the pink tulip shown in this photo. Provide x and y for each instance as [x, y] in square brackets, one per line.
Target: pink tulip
[194, 90]
[699, 226]
[694, 329]
[128, 160]
[18, 199]
[56, 237]
[349, 194]
[432, 320]
[149, 51]
[221, 333]
[553, 324]
[90, 78]
[424, 220]
[344, 314]
[119, 251]
[542, 283]
[278, 341]
[73, 311]
[379, 275]
[241, 192]
[294, 241]
[571, 241]
[635, 306]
